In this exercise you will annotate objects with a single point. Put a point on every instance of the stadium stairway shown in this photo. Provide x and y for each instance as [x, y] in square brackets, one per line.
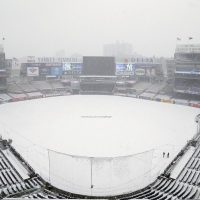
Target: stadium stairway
[185, 186]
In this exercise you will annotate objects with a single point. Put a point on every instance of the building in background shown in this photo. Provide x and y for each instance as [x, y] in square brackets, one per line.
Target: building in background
[3, 72]
[168, 69]
[187, 69]
[2, 58]
[16, 66]
[118, 50]
[8, 66]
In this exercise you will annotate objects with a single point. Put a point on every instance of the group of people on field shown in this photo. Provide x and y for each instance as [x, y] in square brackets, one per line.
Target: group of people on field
[167, 155]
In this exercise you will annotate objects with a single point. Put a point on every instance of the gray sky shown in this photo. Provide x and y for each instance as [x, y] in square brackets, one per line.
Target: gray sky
[43, 27]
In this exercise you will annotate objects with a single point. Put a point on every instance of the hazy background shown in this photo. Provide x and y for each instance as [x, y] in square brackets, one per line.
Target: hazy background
[44, 27]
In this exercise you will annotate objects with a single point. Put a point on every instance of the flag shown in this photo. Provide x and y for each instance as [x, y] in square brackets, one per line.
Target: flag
[178, 38]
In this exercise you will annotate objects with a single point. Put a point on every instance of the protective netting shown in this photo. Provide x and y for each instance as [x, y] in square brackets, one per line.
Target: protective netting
[100, 176]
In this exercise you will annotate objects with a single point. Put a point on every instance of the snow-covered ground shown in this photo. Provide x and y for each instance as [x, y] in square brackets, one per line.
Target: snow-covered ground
[96, 126]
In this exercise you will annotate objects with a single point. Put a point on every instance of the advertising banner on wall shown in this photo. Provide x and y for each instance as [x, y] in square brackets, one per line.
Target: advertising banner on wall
[150, 72]
[56, 71]
[125, 69]
[140, 72]
[67, 67]
[72, 68]
[44, 71]
[32, 71]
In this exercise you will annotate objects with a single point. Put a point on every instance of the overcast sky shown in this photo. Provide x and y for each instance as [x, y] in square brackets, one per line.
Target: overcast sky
[44, 27]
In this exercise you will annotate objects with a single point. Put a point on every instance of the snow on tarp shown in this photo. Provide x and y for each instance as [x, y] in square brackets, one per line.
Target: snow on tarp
[95, 126]
[81, 124]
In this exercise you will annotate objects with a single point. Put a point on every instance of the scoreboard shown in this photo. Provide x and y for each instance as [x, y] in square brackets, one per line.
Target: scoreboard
[98, 66]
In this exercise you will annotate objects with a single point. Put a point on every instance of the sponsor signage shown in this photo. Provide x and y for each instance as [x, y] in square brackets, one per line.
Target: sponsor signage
[32, 71]
[188, 72]
[58, 59]
[44, 71]
[125, 69]
[72, 68]
[150, 72]
[134, 60]
[43, 64]
[140, 72]
[67, 67]
[141, 60]
[56, 71]
[33, 59]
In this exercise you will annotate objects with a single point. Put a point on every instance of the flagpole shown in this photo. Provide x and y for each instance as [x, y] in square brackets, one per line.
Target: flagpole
[3, 43]
[178, 40]
[190, 38]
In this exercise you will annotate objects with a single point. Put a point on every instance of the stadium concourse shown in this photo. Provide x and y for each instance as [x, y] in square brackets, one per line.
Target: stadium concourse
[179, 180]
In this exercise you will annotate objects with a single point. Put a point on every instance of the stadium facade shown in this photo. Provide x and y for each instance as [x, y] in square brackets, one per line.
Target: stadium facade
[179, 180]
[46, 67]
[3, 73]
[187, 69]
